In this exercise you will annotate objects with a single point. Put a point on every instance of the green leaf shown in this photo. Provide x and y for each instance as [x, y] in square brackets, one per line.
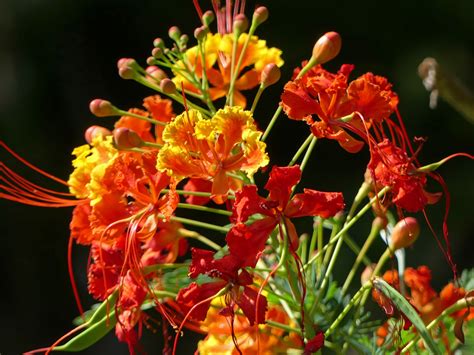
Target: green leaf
[404, 306]
[100, 323]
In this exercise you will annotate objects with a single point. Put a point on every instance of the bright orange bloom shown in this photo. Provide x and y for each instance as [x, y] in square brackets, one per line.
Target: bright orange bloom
[218, 52]
[195, 147]
[261, 339]
[331, 97]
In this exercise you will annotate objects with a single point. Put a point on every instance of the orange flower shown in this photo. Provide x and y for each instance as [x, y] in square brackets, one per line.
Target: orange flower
[229, 142]
[218, 52]
[261, 339]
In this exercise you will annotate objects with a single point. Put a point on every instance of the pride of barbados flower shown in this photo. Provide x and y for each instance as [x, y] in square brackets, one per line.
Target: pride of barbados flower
[265, 287]
[212, 149]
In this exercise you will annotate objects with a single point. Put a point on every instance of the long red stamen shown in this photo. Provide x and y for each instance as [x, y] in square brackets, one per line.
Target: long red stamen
[198, 8]
[72, 279]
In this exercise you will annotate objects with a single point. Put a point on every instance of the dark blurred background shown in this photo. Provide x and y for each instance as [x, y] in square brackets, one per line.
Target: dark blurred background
[57, 55]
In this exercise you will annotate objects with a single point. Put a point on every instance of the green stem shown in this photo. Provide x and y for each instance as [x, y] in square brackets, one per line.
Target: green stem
[348, 226]
[346, 309]
[257, 97]
[460, 304]
[308, 153]
[195, 235]
[192, 222]
[140, 117]
[301, 150]
[272, 123]
[204, 209]
[283, 326]
[370, 239]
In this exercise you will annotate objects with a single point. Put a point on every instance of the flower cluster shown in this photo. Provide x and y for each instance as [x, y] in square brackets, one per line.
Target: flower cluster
[265, 287]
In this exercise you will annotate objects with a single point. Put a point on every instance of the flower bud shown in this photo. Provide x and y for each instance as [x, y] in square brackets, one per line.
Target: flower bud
[327, 47]
[260, 15]
[125, 138]
[201, 32]
[270, 75]
[151, 61]
[405, 233]
[241, 24]
[159, 43]
[156, 73]
[103, 108]
[95, 131]
[183, 39]
[174, 33]
[127, 68]
[157, 53]
[207, 18]
[167, 86]
[367, 273]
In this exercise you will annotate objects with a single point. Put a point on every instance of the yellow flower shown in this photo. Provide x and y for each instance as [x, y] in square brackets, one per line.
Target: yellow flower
[89, 166]
[210, 149]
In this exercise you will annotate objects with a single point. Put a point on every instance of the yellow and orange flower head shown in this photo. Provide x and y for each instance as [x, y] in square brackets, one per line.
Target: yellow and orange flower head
[209, 149]
[261, 339]
[90, 163]
[218, 50]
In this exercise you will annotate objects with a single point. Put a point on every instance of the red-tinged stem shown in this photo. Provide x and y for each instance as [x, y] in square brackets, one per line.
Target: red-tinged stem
[72, 280]
[67, 335]
[198, 8]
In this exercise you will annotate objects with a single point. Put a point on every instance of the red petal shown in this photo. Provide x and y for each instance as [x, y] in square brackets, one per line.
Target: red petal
[254, 312]
[202, 262]
[315, 203]
[314, 344]
[247, 242]
[296, 102]
[247, 202]
[197, 185]
[280, 183]
[193, 294]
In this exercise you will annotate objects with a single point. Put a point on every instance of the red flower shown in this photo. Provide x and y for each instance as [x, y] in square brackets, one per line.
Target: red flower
[391, 166]
[246, 242]
[330, 97]
[229, 273]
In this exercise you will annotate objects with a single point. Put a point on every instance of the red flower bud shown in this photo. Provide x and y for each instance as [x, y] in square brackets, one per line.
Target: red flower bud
[103, 108]
[156, 73]
[167, 86]
[241, 24]
[260, 15]
[95, 131]
[367, 273]
[157, 53]
[127, 68]
[159, 43]
[270, 74]
[125, 138]
[327, 47]
[201, 32]
[208, 18]
[405, 233]
[174, 33]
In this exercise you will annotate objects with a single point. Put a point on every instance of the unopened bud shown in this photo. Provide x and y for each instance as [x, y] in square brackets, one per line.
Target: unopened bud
[367, 274]
[125, 138]
[270, 75]
[260, 15]
[405, 233]
[207, 18]
[174, 33]
[156, 73]
[241, 24]
[95, 131]
[183, 39]
[167, 86]
[327, 47]
[127, 68]
[151, 61]
[159, 43]
[157, 53]
[103, 108]
[201, 32]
